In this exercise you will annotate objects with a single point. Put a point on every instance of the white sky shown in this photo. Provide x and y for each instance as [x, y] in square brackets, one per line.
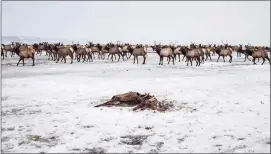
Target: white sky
[140, 22]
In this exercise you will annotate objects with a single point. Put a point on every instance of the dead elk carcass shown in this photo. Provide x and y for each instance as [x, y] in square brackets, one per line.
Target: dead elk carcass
[141, 101]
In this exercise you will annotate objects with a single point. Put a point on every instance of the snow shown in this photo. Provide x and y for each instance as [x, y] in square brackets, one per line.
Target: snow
[222, 107]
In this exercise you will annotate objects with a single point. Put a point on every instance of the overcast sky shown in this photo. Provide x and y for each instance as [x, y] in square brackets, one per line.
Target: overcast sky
[141, 22]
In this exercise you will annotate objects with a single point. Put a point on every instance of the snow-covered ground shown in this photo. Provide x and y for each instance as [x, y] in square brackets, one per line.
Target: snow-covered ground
[222, 107]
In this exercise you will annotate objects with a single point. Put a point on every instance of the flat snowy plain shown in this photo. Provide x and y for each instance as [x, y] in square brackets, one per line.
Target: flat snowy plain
[220, 107]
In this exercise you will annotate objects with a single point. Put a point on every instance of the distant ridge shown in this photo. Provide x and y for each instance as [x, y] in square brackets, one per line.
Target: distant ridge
[32, 39]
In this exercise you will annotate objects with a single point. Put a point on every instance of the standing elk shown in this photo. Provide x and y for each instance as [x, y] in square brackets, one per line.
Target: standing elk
[164, 51]
[224, 52]
[63, 51]
[114, 50]
[2, 51]
[193, 53]
[7, 48]
[24, 52]
[140, 51]
[95, 49]
[201, 52]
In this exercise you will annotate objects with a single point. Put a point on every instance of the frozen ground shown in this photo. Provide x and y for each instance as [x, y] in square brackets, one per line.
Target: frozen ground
[222, 107]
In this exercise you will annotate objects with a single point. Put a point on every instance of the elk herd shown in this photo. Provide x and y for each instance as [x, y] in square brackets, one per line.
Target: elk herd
[86, 53]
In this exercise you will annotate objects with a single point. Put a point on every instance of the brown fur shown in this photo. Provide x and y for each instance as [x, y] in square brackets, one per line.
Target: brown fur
[24, 52]
[142, 51]
[224, 52]
[63, 52]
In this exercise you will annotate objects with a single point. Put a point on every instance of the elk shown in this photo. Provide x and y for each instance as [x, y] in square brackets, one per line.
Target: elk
[7, 48]
[127, 49]
[2, 51]
[41, 47]
[241, 51]
[95, 49]
[201, 52]
[224, 52]
[24, 52]
[193, 53]
[51, 52]
[63, 52]
[114, 50]
[207, 51]
[258, 53]
[140, 51]
[164, 51]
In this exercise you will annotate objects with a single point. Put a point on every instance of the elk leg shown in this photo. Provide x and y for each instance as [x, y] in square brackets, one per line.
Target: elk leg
[119, 57]
[268, 59]
[137, 59]
[187, 61]
[57, 58]
[84, 57]
[179, 57]
[254, 61]
[230, 58]
[245, 58]
[258, 59]
[131, 54]
[19, 61]
[173, 61]
[206, 57]
[183, 58]
[33, 61]
[168, 60]
[190, 61]
[23, 61]
[134, 59]
[159, 60]
[162, 61]
[71, 58]
[218, 58]
[6, 53]
[33, 58]
[263, 60]
[112, 57]
[88, 57]
[78, 58]
[223, 58]
[144, 59]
